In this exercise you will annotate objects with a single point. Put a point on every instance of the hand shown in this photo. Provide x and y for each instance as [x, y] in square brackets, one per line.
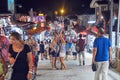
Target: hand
[110, 60]
[29, 76]
[12, 60]
[61, 35]
[54, 49]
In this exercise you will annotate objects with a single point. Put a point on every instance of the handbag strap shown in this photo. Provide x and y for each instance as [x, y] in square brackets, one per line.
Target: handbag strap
[15, 59]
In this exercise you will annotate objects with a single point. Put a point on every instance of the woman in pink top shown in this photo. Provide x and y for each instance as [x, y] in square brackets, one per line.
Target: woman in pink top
[4, 44]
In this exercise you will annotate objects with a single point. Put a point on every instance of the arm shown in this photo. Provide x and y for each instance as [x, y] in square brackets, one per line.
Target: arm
[61, 38]
[93, 56]
[30, 64]
[11, 59]
[110, 54]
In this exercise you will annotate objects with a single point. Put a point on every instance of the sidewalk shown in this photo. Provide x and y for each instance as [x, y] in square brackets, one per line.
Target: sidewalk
[73, 72]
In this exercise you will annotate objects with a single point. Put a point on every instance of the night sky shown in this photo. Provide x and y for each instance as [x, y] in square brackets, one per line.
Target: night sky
[71, 6]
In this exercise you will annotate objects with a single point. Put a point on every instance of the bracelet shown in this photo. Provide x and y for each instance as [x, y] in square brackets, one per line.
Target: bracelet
[30, 72]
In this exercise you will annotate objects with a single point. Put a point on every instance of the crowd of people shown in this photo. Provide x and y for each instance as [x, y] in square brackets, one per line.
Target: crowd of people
[31, 51]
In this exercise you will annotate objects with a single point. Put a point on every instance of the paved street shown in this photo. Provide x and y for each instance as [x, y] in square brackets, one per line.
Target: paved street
[73, 72]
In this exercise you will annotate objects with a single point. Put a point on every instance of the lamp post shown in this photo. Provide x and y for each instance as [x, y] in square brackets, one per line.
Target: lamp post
[62, 11]
[56, 13]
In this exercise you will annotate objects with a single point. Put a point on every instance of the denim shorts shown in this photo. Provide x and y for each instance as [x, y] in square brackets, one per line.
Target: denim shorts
[54, 54]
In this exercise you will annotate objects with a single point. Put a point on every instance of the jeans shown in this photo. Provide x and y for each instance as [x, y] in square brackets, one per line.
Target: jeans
[102, 70]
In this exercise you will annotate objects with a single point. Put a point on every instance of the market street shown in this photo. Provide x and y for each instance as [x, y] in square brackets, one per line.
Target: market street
[73, 72]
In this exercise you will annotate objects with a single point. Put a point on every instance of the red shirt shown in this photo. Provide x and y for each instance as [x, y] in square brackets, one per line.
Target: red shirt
[81, 44]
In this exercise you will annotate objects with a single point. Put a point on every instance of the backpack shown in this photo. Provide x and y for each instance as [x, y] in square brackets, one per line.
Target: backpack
[77, 48]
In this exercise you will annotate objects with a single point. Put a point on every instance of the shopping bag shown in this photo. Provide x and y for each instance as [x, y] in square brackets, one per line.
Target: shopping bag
[9, 74]
[94, 67]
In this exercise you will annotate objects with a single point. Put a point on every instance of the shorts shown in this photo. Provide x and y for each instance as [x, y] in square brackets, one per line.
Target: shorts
[38, 52]
[62, 54]
[74, 53]
[42, 51]
[54, 54]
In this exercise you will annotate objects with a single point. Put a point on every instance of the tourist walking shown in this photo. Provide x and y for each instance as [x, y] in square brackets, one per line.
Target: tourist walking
[62, 52]
[81, 46]
[101, 55]
[22, 69]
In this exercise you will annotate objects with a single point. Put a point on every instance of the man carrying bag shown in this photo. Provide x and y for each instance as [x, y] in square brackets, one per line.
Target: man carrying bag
[101, 55]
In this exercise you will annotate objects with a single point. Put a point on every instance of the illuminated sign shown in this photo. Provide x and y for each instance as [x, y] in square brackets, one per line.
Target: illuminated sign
[11, 6]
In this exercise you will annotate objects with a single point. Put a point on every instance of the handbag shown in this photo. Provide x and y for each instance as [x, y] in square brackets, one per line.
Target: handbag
[94, 67]
[10, 70]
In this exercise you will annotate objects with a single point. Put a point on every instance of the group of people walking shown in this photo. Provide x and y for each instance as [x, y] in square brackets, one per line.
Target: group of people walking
[29, 51]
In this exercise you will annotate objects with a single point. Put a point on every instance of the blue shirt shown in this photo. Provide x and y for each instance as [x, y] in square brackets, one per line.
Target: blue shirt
[102, 44]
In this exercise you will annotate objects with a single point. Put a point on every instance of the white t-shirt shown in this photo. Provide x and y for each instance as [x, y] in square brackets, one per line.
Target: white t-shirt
[73, 48]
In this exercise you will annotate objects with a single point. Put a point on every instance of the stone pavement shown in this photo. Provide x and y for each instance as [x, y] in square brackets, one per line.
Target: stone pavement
[73, 72]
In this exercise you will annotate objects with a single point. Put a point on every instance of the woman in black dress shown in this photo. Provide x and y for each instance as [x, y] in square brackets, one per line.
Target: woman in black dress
[22, 69]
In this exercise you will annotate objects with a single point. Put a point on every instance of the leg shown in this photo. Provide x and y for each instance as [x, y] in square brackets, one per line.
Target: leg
[75, 55]
[63, 63]
[98, 72]
[63, 66]
[50, 56]
[53, 62]
[66, 58]
[46, 53]
[42, 56]
[83, 56]
[36, 63]
[105, 67]
[60, 63]
[79, 56]
[56, 58]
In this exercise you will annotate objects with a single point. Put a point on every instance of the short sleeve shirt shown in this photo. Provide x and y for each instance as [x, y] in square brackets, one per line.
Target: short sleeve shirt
[21, 64]
[102, 44]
